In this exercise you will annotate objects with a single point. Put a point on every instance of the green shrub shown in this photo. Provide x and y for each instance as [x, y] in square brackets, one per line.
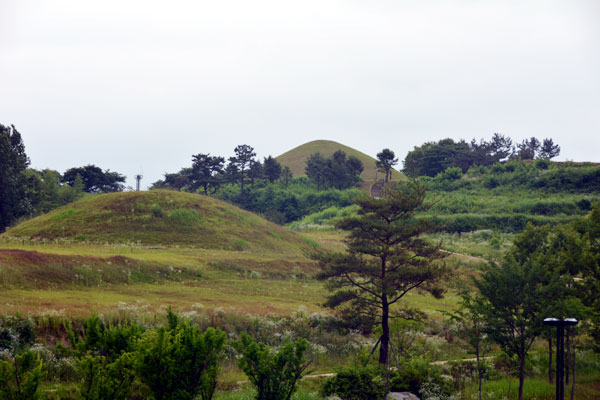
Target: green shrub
[180, 362]
[184, 216]
[157, 210]
[491, 182]
[239, 245]
[273, 373]
[358, 383]
[542, 163]
[16, 334]
[20, 377]
[102, 379]
[417, 376]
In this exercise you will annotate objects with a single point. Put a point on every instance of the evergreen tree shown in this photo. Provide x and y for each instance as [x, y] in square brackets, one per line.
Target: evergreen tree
[272, 169]
[286, 175]
[386, 159]
[244, 155]
[315, 168]
[205, 171]
[386, 258]
[549, 149]
[13, 178]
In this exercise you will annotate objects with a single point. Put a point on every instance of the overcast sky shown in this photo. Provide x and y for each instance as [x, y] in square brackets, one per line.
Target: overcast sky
[140, 86]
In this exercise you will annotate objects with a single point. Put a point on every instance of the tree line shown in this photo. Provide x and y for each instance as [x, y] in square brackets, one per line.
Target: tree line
[208, 173]
[431, 158]
[26, 191]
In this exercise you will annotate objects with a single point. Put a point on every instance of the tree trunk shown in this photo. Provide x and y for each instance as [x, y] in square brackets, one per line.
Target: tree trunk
[521, 375]
[385, 331]
[242, 183]
[550, 358]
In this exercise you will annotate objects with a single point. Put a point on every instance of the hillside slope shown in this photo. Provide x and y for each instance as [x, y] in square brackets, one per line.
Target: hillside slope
[296, 158]
[160, 217]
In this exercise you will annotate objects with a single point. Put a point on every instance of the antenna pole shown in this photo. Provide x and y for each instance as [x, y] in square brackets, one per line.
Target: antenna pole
[138, 178]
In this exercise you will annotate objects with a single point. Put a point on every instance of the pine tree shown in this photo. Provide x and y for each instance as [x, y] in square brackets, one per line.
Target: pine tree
[386, 258]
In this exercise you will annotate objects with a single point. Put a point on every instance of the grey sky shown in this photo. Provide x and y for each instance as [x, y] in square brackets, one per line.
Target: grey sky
[140, 86]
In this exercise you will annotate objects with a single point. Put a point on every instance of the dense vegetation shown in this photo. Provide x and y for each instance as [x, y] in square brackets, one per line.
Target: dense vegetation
[221, 267]
[502, 197]
[432, 158]
[26, 192]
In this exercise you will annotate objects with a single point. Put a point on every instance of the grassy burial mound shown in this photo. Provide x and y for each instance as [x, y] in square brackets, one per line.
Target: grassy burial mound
[160, 217]
[296, 158]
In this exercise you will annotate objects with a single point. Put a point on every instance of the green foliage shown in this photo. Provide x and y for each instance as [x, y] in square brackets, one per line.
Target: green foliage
[157, 210]
[417, 375]
[104, 380]
[355, 383]
[13, 164]
[184, 216]
[94, 179]
[514, 295]
[272, 169]
[336, 171]
[16, 334]
[180, 362]
[205, 172]
[273, 373]
[386, 159]
[386, 258]
[20, 377]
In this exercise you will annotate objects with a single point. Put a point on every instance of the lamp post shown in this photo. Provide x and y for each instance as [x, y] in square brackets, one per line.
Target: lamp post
[560, 351]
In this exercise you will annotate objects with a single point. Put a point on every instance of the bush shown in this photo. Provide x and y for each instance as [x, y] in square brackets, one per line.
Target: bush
[358, 383]
[184, 216]
[273, 373]
[180, 362]
[21, 377]
[102, 379]
[416, 375]
[157, 211]
[542, 163]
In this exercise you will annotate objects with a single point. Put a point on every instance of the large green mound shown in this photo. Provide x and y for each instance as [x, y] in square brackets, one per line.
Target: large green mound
[296, 158]
[160, 217]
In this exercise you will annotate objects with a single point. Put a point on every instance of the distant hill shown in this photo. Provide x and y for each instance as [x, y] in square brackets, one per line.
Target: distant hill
[296, 158]
[160, 217]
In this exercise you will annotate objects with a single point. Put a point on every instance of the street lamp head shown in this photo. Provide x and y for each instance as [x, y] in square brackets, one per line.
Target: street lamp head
[560, 322]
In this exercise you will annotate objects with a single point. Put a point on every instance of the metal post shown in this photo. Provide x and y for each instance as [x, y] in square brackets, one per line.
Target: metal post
[560, 351]
[560, 362]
